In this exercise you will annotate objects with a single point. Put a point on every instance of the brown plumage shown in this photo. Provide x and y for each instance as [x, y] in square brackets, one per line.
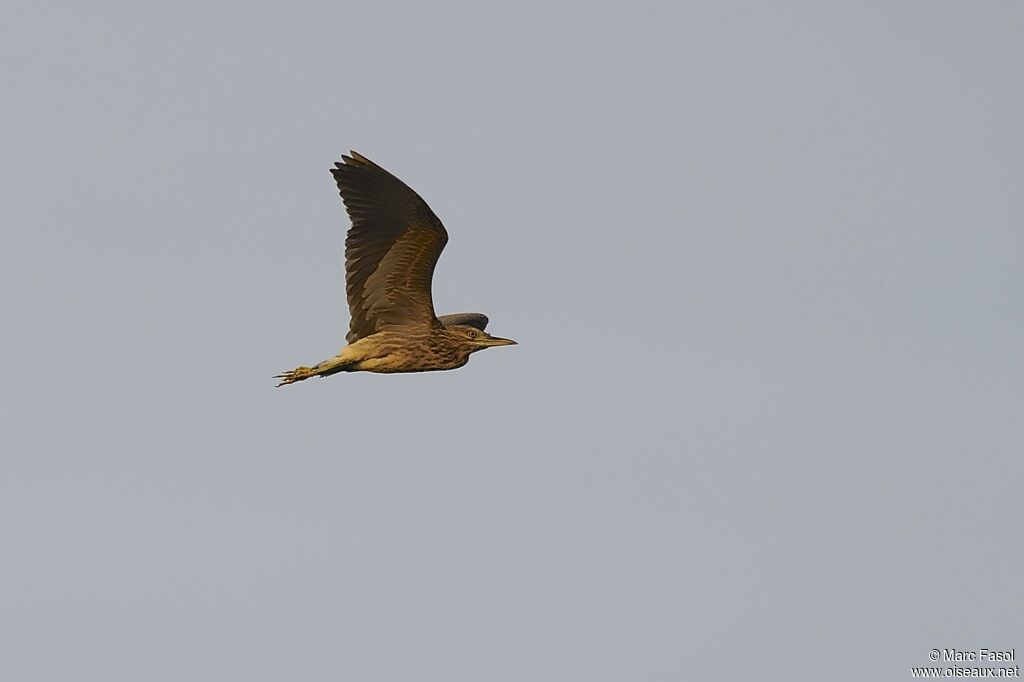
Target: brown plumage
[390, 254]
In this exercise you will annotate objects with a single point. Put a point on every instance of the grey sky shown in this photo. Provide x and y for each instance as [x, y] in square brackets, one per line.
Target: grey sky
[763, 263]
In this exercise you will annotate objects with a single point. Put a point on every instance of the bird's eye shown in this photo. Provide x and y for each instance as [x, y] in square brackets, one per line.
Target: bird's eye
[472, 335]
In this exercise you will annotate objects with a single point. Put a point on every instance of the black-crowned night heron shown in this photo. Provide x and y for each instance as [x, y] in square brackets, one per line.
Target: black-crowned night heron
[390, 254]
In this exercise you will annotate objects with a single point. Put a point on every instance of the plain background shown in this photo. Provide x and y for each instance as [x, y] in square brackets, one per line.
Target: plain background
[763, 261]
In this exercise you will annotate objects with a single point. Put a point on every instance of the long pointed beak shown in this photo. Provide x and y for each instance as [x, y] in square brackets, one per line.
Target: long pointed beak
[497, 341]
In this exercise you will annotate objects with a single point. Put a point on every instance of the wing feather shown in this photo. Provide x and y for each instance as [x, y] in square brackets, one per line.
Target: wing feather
[478, 320]
[390, 251]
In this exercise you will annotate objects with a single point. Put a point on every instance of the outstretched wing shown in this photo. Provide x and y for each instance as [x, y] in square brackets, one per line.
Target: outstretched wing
[478, 320]
[390, 251]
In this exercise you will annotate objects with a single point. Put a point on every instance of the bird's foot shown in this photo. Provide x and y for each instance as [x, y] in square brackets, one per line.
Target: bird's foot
[297, 374]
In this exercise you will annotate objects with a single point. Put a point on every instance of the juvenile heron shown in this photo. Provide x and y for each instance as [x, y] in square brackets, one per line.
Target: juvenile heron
[390, 254]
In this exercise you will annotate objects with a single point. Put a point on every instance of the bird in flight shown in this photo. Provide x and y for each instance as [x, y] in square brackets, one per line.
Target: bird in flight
[390, 254]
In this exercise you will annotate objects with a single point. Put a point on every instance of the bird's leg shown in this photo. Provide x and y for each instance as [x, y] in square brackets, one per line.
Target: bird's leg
[336, 364]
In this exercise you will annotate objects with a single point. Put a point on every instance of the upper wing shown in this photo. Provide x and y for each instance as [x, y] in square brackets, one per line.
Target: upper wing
[391, 250]
[478, 320]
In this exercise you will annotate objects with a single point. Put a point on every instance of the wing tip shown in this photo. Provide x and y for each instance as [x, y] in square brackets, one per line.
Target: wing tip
[353, 159]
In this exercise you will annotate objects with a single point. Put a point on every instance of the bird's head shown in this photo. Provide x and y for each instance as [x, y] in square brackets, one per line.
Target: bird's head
[477, 339]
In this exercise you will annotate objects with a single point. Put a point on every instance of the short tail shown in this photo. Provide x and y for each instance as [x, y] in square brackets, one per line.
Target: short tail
[321, 369]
